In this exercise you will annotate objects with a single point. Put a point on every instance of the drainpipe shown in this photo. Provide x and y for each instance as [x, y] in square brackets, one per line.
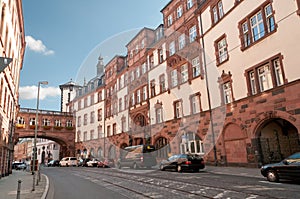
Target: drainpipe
[208, 92]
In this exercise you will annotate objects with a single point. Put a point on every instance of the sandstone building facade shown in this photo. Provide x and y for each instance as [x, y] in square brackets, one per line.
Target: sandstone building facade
[217, 78]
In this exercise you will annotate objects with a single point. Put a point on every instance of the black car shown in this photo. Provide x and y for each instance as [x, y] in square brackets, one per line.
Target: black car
[53, 163]
[288, 168]
[183, 162]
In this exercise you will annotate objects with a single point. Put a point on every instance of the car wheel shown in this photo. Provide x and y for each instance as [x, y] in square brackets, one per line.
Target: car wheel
[161, 167]
[179, 168]
[272, 176]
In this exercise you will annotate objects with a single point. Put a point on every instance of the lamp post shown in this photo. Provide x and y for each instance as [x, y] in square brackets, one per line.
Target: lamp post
[35, 133]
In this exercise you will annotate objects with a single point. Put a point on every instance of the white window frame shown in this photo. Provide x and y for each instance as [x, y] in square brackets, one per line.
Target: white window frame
[196, 67]
[189, 4]
[181, 41]
[227, 93]
[174, 78]
[264, 77]
[193, 33]
[172, 48]
[222, 50]
[179, 11]
[184, 73]
[178, 109]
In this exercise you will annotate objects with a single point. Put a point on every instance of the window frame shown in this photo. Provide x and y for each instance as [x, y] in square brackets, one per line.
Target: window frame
[221, 52]
[253, 81]
[246, 36]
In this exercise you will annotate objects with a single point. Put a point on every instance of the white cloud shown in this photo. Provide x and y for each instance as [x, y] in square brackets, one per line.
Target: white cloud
[37, 46]
[30, 92]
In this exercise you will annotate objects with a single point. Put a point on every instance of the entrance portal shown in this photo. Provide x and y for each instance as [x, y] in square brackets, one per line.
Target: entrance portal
[277, 139]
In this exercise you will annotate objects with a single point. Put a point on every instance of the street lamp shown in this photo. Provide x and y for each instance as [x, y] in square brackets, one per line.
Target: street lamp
[35, 133]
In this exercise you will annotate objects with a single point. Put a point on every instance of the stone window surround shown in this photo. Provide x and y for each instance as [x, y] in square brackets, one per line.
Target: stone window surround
[253, 68]
[218, 63]
[247, 19]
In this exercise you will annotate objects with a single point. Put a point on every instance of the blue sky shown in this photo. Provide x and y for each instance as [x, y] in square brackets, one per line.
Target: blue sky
[65, 37]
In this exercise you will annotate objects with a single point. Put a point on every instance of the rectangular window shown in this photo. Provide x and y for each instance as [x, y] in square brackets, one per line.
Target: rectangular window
[152, 88]
[196, 67]
[217, 12]
[252, 82]
[195, 104]
[174, 79]
[162, 83]
[114, 129]
[126, 101]
[137, 72]
[132, 99]
[184, 73]
[172, 48]
[144, 68]
[123, 124]
[99, 114]
[92, 135]
[264, 78]
[170, 20]
[181, 41]
[178, 109]
[138, 96]
[227, 92]
[179, 12]
[79, 121]
[85, 118]
[108, 133]
[189, 4]
[145, 96]
[85, 136]
[158, 115]
[222, 50]
[193, 33]
[258, 25]
[160, 55]
[92, 117]
[278, 72]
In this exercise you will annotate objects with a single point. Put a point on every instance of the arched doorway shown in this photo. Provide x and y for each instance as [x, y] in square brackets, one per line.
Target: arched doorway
[276, 139]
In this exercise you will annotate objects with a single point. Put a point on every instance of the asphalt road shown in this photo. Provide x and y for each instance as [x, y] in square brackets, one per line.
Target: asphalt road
[81, 182]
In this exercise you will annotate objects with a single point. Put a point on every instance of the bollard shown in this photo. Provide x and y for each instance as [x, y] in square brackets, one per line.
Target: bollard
[19, 189]
[40, 174]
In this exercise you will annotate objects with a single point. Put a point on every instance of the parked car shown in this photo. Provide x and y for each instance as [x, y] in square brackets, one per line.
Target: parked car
[289, 168]
[83, 162]
[138, 156]
[19, 165]
[183, 162]
[53, 163]
[68, 161]
[93, 162]
[106, 163]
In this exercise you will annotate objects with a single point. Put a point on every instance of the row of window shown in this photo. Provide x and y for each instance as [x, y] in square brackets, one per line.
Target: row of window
[179, 12]
[45, 122]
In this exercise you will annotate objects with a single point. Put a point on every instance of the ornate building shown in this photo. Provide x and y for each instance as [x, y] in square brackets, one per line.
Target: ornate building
[12, 45]
[217, 78]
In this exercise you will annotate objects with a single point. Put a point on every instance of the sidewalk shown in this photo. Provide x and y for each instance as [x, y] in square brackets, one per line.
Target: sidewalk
[9, 186]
